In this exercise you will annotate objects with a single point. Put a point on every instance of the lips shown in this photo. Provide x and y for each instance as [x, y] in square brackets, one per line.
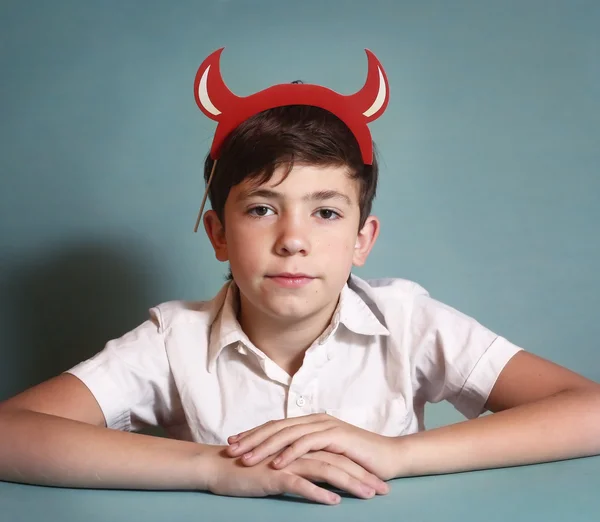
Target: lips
[292, 276]
[291, 280]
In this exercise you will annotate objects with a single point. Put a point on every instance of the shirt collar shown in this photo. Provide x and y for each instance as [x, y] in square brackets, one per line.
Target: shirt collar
[351, 311]
[226, 329]
[357, 316]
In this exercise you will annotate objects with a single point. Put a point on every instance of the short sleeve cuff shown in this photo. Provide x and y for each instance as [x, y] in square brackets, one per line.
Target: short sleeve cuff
[478, 386]
[95, 374]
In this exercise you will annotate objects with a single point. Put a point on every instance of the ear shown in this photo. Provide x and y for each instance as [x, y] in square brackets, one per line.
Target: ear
[216, 233]
[365, 240]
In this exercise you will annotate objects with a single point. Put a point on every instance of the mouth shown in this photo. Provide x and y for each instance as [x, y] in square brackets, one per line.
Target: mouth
[291, 276]
[290, 280]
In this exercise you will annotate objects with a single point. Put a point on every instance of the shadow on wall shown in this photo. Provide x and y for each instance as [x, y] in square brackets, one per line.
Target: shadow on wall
[61, 309]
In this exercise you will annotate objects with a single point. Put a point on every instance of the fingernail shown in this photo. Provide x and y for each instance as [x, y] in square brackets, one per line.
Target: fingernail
[368, 491]
[234, 437]
[335, 498]
[247, 455]
[277, 461]
[234, 446]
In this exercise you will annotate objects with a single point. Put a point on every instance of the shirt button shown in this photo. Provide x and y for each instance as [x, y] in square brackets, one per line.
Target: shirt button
[300, 401]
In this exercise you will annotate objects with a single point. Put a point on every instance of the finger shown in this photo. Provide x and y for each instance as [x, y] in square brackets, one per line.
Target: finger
[268, 427]
[333, 441]
[321, 471]
[352, 468]
[280, 441]
[297, 485]
[265, 426]
[273, 426]
[251, 441]
[310, 442]
[242, 434]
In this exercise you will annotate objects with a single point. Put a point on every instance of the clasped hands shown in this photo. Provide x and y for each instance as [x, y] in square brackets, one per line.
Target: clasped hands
[294, 455]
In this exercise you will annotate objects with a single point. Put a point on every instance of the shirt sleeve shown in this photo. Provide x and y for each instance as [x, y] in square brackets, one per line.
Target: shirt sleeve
[131, 379]
[455, 358]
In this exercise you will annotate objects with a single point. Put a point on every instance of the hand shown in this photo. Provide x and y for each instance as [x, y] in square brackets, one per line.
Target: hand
[298, 436]
[227, 476]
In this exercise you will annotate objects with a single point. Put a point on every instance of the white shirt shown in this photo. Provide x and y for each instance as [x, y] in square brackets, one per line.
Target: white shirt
[389, 349]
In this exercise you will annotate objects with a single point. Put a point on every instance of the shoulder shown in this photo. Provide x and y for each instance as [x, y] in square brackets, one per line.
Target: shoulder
[387, 287]
[406, 303]
[388, 295]
[145, 345]
[179, 313]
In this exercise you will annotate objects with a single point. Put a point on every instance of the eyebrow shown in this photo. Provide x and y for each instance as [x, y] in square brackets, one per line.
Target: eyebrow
[320, 195]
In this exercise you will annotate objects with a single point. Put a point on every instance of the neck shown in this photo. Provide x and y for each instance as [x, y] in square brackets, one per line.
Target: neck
[283, 342]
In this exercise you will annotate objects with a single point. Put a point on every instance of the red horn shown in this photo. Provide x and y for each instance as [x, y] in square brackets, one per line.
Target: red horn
[212, 95]
[373, 98]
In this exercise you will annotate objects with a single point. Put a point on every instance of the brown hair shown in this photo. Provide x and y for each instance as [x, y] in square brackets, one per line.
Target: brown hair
[287, 135]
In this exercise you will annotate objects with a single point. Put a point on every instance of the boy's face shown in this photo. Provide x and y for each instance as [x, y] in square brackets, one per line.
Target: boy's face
[291, 244]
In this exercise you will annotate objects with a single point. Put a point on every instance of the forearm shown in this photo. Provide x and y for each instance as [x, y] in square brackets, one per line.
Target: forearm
[566, 425]
[42, 449]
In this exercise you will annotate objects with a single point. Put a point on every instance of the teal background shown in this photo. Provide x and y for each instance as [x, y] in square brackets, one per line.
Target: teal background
[490, 148]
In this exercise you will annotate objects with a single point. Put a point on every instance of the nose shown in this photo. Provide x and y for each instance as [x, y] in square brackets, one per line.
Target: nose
[292, 237]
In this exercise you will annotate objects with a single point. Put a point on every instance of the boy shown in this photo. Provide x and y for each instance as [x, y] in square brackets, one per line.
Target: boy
[327, 373]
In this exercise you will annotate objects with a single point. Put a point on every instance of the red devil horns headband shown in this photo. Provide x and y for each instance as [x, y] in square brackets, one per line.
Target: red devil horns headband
[356, 110]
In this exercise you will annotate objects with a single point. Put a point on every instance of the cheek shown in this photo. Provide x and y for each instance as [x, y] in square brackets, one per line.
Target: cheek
[342, 243]
[246, 247]
[337, 251]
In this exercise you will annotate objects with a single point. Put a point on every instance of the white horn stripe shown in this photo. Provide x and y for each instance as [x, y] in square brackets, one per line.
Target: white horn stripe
[380, 97]
[204, 97]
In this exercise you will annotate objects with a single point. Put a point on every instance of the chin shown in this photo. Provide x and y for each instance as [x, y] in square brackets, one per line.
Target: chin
[289, 309]
[289, 304]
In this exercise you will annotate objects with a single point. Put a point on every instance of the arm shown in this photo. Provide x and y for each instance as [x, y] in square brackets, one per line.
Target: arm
[543, 412]
[54, 434]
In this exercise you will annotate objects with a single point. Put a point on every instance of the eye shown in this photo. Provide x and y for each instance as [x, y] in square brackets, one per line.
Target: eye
[259, 211]
[328, 214]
